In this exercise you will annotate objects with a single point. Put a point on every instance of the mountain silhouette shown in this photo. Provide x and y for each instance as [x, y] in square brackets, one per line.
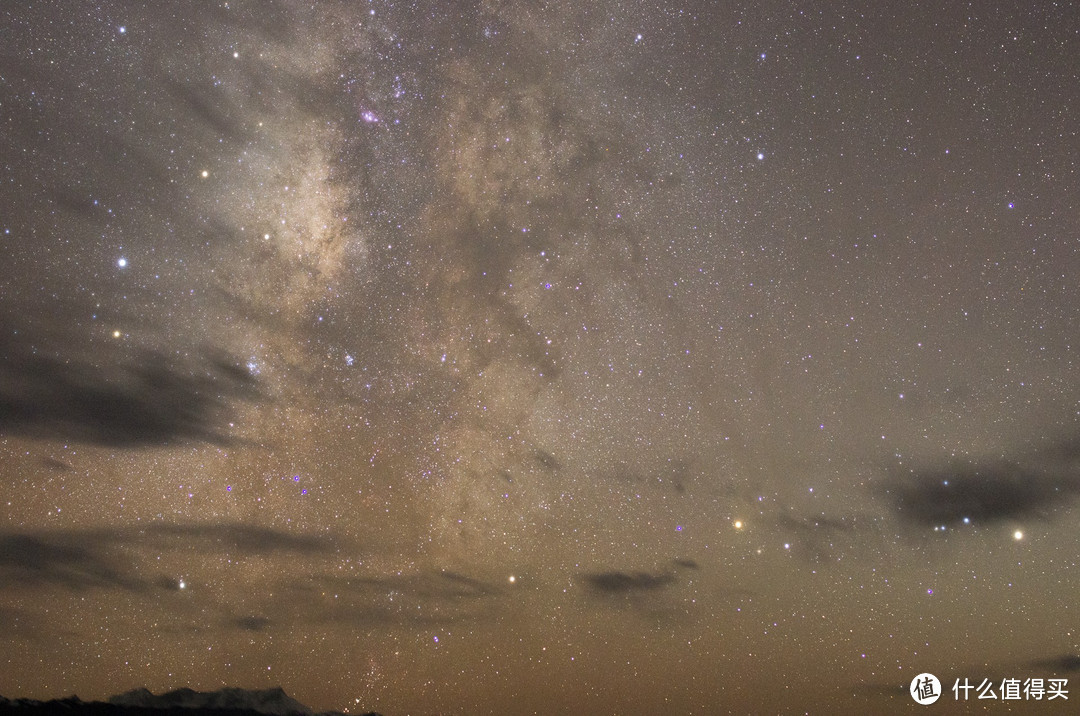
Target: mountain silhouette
[229, 701]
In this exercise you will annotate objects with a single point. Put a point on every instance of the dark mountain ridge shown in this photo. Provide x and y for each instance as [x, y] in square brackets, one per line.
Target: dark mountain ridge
[180, 702]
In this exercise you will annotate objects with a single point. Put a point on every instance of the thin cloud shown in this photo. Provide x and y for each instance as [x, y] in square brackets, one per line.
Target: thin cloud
[989, 492]
[627, 582]
[110, 558]
[149, 400]
[251, 623]
[1061, 664]
[27, 560]
[427, 598]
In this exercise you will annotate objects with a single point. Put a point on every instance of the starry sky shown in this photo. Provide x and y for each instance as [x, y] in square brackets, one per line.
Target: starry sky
[501, 357]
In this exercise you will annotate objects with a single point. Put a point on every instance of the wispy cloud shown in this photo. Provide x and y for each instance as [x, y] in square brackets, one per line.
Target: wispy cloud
[987, 491]
[111, 558]
[144, 400]
[627, 582]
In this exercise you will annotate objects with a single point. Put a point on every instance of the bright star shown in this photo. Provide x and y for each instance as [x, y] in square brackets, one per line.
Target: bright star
[760, 156]
[1018, 535]
[121, 262]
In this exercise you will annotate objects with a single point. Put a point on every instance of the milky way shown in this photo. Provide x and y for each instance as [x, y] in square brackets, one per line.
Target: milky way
[508, 357]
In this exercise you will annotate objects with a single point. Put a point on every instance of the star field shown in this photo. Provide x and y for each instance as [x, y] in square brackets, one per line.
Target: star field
[538, 357]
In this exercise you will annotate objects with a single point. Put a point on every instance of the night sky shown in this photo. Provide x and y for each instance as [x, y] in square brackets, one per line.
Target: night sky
[500, 357]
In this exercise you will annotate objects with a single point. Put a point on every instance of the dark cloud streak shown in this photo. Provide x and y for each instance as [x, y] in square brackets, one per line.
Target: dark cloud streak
[987, 492]
[252, 623]
[627, 582]
[147, 400]
[111, 558]
[1064, 663]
